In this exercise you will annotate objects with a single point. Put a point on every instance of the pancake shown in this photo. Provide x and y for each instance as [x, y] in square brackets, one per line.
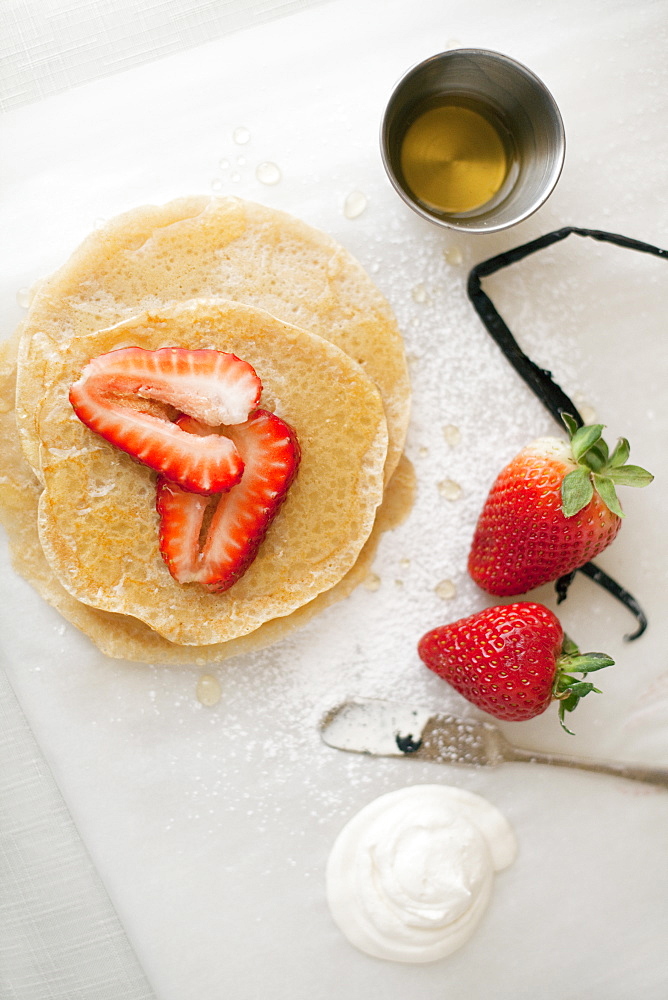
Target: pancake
[122, 636]
[203, 248]
[97, 519]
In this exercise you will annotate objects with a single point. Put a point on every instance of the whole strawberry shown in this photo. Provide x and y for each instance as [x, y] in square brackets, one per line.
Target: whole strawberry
[551, 510]
[511, 661]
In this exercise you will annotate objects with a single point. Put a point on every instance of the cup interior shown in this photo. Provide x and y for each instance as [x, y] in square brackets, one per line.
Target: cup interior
[519, 104]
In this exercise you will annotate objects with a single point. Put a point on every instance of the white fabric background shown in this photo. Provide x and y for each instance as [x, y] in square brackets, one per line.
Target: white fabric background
[61, 937]
[47, 46]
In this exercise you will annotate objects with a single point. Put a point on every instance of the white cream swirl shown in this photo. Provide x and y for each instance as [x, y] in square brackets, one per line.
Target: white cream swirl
[410, 876]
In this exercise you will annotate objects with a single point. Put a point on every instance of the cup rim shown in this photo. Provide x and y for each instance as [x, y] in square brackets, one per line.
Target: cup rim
[450, 223]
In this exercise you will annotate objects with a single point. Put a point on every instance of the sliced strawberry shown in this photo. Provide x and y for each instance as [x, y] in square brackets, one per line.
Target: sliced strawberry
[240, 518]
[214, 387]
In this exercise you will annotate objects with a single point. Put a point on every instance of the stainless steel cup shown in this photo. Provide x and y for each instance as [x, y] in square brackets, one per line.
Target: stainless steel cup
[515, 97]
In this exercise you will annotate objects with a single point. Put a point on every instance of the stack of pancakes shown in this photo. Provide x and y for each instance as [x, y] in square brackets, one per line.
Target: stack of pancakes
[240, 278]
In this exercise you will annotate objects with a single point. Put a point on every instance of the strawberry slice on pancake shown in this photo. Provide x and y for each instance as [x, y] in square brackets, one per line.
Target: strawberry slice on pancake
[218, 555]
[211, 386]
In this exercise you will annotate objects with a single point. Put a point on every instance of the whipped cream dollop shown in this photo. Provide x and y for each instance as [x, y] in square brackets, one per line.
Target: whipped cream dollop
[410, 876]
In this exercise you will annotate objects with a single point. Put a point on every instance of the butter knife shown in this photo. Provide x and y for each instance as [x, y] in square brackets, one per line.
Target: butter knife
[384, 729]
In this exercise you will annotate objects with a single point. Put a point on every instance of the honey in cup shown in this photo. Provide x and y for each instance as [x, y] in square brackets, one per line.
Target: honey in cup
[457, 156]
[472, 140]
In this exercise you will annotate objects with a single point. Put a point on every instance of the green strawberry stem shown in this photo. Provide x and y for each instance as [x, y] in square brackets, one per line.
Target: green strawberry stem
[597, 471]
[569, 690]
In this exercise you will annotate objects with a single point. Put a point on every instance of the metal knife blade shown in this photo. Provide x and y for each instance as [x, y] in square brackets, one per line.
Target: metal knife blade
[386, 729]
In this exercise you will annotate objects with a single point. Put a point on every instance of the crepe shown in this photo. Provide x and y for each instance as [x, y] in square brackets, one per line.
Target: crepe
[97, 519]
[81, 515]
[122, 636]
[227, 248]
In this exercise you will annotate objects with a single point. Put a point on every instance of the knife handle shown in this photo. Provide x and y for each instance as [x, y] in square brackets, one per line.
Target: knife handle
[635, 772]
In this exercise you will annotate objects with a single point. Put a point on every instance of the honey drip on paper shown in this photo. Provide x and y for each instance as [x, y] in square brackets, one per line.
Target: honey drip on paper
[454, 159]
[208, 690]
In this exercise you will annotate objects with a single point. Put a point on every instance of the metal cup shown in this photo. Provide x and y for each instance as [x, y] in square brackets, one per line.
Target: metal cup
[513, 97]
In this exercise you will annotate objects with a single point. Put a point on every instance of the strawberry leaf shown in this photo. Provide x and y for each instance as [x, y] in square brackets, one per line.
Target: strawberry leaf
[569, 690]
[591, 453]
[584, 663]
[568, 647]
[620, 455]
[571, 424]
[570, 701]
[597, 456]
[581, 688]
[563, 708]
[630, 475]
[606, 490]
[584, 439]
[576, 491]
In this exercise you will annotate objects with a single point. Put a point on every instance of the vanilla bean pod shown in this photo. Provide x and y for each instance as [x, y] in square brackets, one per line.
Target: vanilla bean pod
[540, 380]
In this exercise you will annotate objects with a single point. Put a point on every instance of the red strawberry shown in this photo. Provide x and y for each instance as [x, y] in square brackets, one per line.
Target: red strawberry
[214, 387]
[240, 518]
[551, 510]
[511, 661]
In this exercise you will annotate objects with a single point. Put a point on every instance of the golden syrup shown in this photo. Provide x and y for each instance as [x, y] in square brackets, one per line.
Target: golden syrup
[454, 158]
[208, 690]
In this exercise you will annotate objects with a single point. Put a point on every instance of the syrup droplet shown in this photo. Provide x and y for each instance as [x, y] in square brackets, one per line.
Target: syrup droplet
[372, 582]
[355, 204]
[24, 297]
[452, 435]
[235, 177]
[241, 160]
[268, 173]
[224, 163]
[208, 690]
[419, 293]
[453, 256]
[446, 590]
[241, 135]
[449, 489]
[216, 184]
